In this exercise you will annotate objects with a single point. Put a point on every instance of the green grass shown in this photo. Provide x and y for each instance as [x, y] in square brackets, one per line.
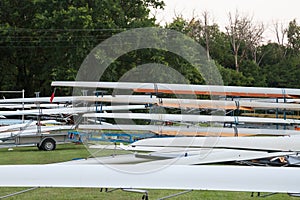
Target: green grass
[30, 155]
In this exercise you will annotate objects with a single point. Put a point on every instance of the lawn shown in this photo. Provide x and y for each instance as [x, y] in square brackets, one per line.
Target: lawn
[30, 155]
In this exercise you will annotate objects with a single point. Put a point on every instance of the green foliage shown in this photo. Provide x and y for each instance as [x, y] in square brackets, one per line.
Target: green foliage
[284, 74]
[269, 65]
[253, 73]
[220, 50]
[293, 34]
[44, 41]
[232, 77]
[179, 24]
[271, 54]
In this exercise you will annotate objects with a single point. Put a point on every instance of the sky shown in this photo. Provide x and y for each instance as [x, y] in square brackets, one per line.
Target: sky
[266, 11]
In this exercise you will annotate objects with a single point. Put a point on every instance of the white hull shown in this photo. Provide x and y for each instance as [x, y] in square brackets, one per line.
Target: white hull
[75, 110]
[187, 89]
[189, 130]
[192, 118]
[279, 143]
[189, 103]
[226, 178]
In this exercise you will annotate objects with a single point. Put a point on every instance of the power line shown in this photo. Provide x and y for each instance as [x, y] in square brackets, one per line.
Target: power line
[14, 29]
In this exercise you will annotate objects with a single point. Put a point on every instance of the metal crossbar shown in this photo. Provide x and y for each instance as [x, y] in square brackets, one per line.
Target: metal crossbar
[17, 193]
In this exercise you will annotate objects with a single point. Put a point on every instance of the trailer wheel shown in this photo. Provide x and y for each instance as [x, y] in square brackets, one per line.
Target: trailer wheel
[48, 144]
[39, 146]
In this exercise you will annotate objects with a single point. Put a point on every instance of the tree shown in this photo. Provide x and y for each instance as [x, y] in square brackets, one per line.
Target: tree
[244, 36]
[179, 24]
[205, 15]
[293, 34]
[271, 53]
[284, 74]
[208, 34]
[48, 40]
[280, 32]
[232, 77]
[202, 31]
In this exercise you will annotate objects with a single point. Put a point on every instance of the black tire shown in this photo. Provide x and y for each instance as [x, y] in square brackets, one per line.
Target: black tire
[39, 146]
[48, 144]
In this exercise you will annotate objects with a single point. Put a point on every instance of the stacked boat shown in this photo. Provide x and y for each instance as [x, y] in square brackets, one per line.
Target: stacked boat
[201, 140]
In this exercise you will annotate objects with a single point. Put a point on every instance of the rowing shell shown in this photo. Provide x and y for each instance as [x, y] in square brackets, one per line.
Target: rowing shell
[208, 156]
[69, 110]
[268, 143]
[192, 118]
[181, 157]
[190, 130]
[33, 130]
[187, 177]
[38, 99]
[189, 103]
[187, 89]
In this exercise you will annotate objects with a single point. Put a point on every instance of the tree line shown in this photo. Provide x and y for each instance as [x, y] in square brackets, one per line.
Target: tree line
[43, 41]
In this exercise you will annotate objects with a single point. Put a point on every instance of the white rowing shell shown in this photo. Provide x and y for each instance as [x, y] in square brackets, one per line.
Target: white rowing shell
[17, 126]
[186, 177]
[37, 100]
[69, 110]
[189, 103]
[209, 157]
[33, 130]
[187, 89]
[286, 143]
[189, 130]
[192, 118]
[181, 157]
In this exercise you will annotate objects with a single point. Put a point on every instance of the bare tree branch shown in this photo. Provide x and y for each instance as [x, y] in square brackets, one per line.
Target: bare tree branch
[280, 32]
[242, 31]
